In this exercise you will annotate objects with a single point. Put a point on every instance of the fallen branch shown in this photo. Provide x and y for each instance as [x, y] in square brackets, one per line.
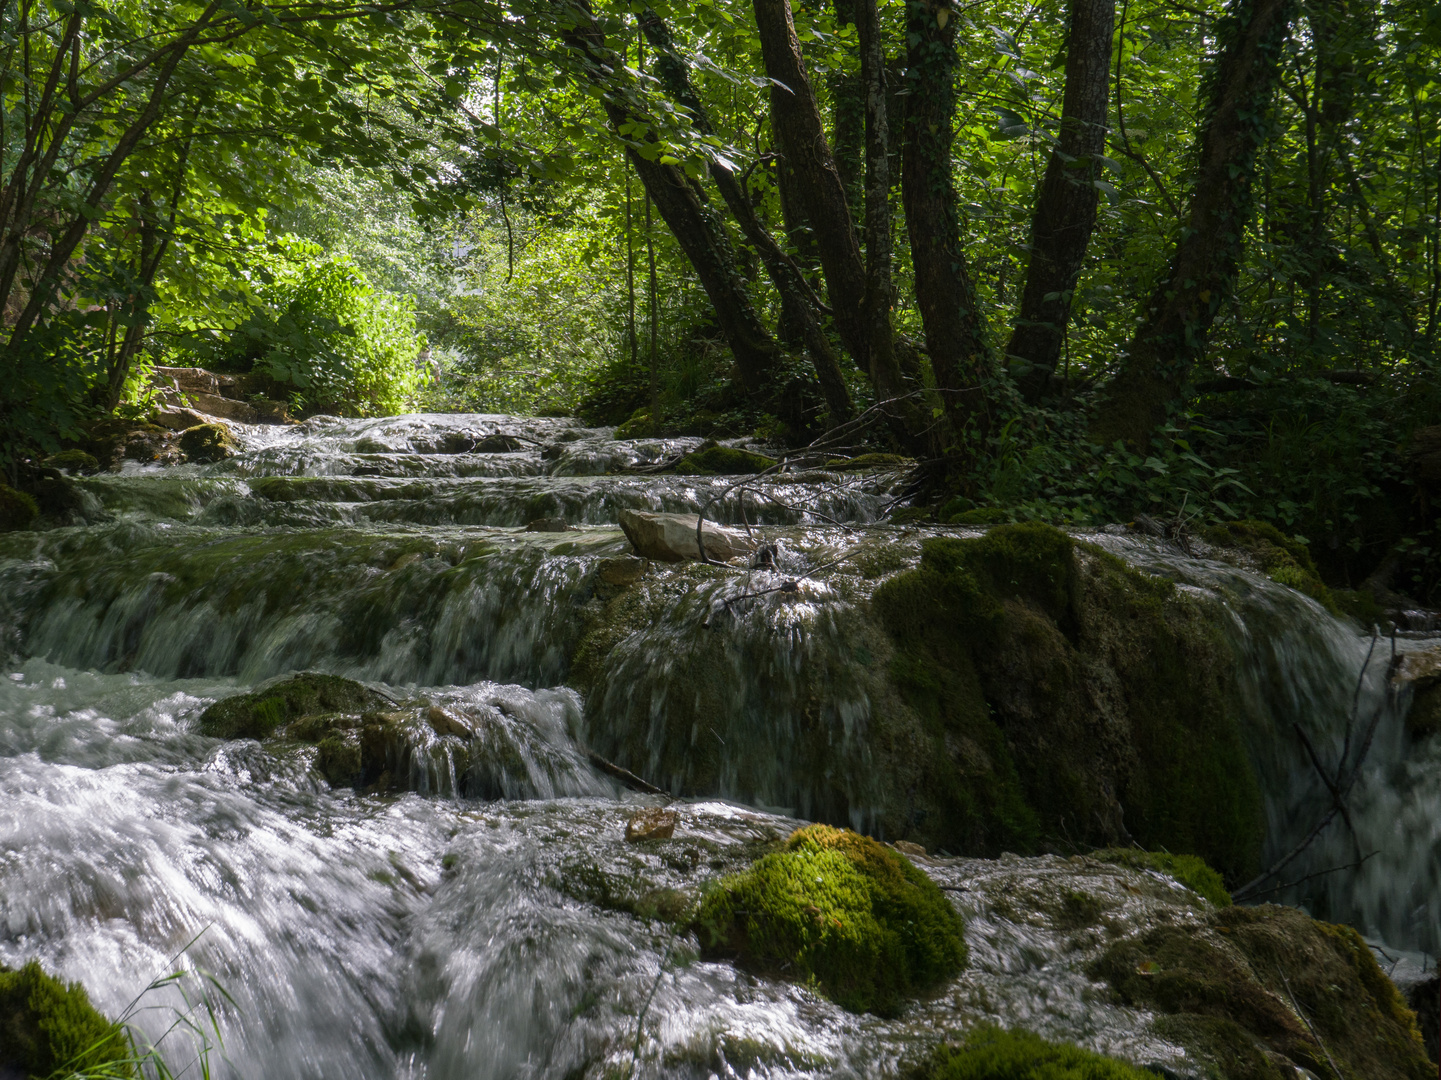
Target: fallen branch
[625, 776]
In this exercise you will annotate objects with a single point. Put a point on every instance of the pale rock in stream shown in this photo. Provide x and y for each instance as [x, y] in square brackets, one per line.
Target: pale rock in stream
[672, 537]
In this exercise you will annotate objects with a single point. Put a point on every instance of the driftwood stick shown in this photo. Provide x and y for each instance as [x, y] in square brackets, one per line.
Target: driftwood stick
[625, 776]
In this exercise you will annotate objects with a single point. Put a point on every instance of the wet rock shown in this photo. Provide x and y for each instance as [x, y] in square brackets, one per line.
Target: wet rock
[18, 510]
[257, 715]
[498, 444]
[1421, 671]
[1265, 991]
[723, 461]
[73, 461]
[627, 570]
[447, 723]
[58, 498]
[1257, 545]
[840, 912]
[672, 537]
[178, 419]
[271, 412]
[50, 1028]
[905, 847]
[208, 443]
[652, 823]
[869, 461]
[1188, 870]
[547, 525]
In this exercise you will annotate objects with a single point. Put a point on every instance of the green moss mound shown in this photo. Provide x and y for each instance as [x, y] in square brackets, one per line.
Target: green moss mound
[723, 461]
[73, 461]
[258, 714]
[870, 461]
[840, 912]
[47, 1025]
[981, 515]
[1067, 697]
[992, 1053]
[17, 509]
[1284, 560]
[1258, 991]
[1189, 870]
[207, 443]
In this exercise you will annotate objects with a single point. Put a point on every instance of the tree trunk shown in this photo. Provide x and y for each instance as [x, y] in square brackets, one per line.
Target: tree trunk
[1201, 276]
[1066, 206]
[799, 302]
[848, 117]
[945, 293]
[682, 205]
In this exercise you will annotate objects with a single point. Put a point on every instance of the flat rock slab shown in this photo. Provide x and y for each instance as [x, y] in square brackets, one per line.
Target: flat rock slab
[672, 537]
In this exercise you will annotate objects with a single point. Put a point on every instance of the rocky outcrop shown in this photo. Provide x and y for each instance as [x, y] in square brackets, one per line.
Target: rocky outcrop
[239, 398]
[672, 537]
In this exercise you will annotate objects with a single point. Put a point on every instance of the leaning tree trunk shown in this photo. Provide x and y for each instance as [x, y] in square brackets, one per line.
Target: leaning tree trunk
[682, 205]
[1066, 207]
[1202, 272]
[848, 117]
[799, 301]
[945, 293]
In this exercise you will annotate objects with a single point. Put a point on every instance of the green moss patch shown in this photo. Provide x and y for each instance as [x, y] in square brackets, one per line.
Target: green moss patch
[870, 461]
[1067, 697]
[73, 461]
[1189, 870]
[17, 509]
[258, 714]
[207, 442]
[1256, 991]
[1283, 559]
[839, 912]
[47, 1026]
[992, 1053]
[723, 461]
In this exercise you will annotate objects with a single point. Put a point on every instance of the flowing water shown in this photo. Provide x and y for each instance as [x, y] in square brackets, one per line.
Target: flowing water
[424, 935]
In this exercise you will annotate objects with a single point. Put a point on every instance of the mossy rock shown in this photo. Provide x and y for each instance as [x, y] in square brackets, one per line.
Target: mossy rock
[992, 1053]
[639, 426]
[1258, 992]
[207, 443]
[73, 461]
[838, 911]
[1066, 697]
[911, 515]
[18, 510]
[1361, 605]
[47, 1027]
[1189, 870]
[869, 461]
[723, 461]
[1283, 559]
[257, 715]
[980, 515]
[1424, 718]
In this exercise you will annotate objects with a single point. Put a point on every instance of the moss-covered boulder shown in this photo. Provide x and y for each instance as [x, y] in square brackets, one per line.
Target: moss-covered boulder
[992, 1053]
[723, 461]
[50, 1028]
[1282, 558]
[257, 715]
[1257, 992]
[18, 510]
[1066, 697]
[840, 912]
[862, 462]
[207, 443]
[76, 461]
[1188, 870]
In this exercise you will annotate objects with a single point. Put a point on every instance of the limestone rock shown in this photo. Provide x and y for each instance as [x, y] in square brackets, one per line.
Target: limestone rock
[548, 525]
[672, 537]
[447, 723]
[224, 407]
[652, 823]
[621, 572]
[178, 419]
[257, 715]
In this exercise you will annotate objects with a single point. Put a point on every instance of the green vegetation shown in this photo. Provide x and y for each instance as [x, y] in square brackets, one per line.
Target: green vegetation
[1231, 990]
[841, 913]
[1189, 870]
[50, 1028]
[991, 1053]
[257, 715]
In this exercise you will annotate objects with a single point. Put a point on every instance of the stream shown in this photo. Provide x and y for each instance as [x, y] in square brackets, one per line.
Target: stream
[423, 935]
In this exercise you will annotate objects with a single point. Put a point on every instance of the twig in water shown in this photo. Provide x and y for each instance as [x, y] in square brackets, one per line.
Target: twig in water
[625, 776]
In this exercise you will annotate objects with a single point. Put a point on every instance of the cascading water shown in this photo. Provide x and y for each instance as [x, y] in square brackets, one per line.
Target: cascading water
[381, 935]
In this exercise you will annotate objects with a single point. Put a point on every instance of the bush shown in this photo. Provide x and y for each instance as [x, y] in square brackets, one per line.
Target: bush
[840, 912]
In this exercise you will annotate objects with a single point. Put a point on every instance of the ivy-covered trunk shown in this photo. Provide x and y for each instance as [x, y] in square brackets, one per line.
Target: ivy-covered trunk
[1066, 208]
[1202, 273]
[945, 293]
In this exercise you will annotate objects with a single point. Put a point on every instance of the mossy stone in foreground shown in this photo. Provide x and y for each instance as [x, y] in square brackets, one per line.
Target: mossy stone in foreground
[840, 912]
[991, 1053]
[207, 442]
[1190, 870]
[723, 461]
[46, 1026]
[256, 715]
[17, 509]
[1258, 991]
